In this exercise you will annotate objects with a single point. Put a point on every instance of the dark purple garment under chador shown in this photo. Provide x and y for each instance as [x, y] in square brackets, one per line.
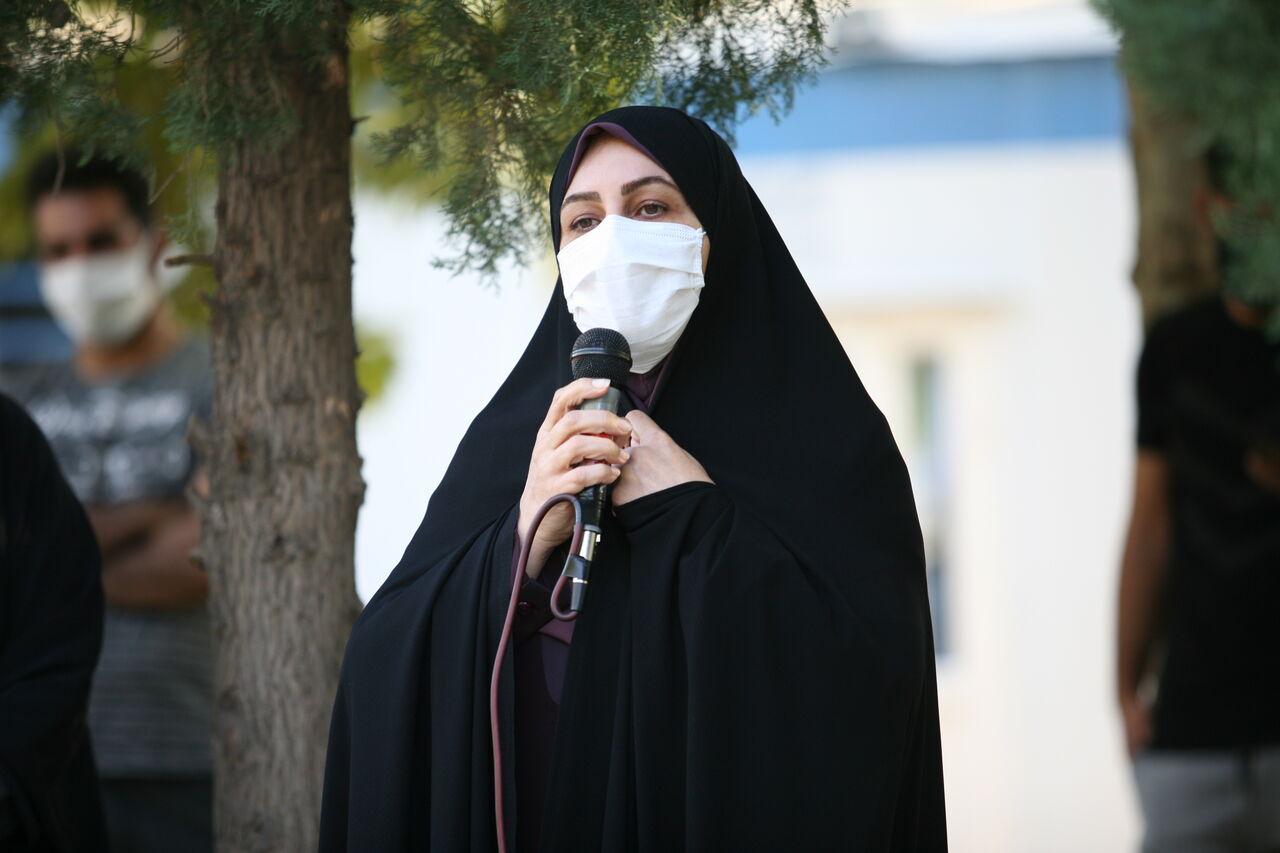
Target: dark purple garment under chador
[541, 658]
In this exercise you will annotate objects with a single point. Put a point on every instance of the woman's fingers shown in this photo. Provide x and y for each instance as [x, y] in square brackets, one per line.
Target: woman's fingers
[644, 429]
[570, 396]
[569, 436]
[594, 422]
[577, 479]
[559, 445]
[582, 448]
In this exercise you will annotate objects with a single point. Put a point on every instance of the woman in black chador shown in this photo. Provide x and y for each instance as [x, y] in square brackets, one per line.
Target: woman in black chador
[753, 668]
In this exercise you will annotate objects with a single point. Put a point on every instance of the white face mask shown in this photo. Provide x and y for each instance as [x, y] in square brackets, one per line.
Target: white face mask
[103, 298]
[641, 279]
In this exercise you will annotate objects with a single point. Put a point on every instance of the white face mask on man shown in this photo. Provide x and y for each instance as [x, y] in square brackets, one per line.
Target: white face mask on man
[641, 279]
[103, 298]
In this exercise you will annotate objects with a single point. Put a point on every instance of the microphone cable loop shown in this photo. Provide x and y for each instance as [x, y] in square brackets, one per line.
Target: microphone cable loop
[504, 641]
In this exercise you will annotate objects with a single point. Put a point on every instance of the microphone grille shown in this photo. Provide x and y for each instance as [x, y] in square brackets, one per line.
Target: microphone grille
[601, 354]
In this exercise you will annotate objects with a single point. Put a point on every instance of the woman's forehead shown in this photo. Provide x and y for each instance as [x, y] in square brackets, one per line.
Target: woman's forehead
[609, 160]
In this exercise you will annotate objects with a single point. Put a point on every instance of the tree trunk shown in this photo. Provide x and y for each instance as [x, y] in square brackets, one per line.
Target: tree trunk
[1177, 258]
[280, 449]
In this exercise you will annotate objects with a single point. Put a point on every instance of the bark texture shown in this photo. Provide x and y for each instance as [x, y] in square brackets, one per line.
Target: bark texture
[285, 485]
[1176, 251]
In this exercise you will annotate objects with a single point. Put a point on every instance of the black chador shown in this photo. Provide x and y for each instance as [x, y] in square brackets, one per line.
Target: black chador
[754, 666]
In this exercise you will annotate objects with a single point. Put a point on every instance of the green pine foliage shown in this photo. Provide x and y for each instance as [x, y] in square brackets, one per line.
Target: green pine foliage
[478, 96]
[492, 91]
[1218, 62]
[55, 65]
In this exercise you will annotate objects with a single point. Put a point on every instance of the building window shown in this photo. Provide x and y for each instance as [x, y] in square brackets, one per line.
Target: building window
[927, 458]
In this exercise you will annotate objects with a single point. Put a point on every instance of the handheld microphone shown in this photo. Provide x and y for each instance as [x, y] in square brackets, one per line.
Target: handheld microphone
[597, 354]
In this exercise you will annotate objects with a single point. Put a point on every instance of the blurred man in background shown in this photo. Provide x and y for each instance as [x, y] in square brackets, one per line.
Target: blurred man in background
[50, 633]
[117, 417]
[1200, 582]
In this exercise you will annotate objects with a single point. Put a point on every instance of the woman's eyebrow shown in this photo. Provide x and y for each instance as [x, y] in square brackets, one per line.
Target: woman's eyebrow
[627, 189]
[631, 186]
[591, 196]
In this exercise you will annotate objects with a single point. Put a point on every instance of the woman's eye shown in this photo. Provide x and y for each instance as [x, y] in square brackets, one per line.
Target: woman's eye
[582, 223]
[653, 208]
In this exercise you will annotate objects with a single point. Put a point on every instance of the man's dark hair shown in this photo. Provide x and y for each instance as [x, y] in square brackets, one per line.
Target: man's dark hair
[94, 172]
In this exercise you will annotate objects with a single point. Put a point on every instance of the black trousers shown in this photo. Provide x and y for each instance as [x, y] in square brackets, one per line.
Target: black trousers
[159, 815]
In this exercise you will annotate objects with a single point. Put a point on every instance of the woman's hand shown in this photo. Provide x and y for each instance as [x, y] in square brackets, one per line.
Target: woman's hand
[569, 436]
[657, 462]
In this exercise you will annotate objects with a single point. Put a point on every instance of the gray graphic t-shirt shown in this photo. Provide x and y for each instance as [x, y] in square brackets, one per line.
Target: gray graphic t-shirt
[121, 440]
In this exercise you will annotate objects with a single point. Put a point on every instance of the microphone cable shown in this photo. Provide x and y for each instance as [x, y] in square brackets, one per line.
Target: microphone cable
[522, 563]
[597, 353]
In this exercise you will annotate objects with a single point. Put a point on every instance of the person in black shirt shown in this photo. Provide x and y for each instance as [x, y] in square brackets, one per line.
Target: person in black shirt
[50, 633]
[1200, 582]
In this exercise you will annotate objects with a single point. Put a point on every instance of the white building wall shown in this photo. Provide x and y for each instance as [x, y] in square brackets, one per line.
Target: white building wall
[1011, 264]
[454, 339]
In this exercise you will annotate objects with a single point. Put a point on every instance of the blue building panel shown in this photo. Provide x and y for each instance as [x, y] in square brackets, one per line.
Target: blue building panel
[897, 104]
[28, 335]
[6, 136]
